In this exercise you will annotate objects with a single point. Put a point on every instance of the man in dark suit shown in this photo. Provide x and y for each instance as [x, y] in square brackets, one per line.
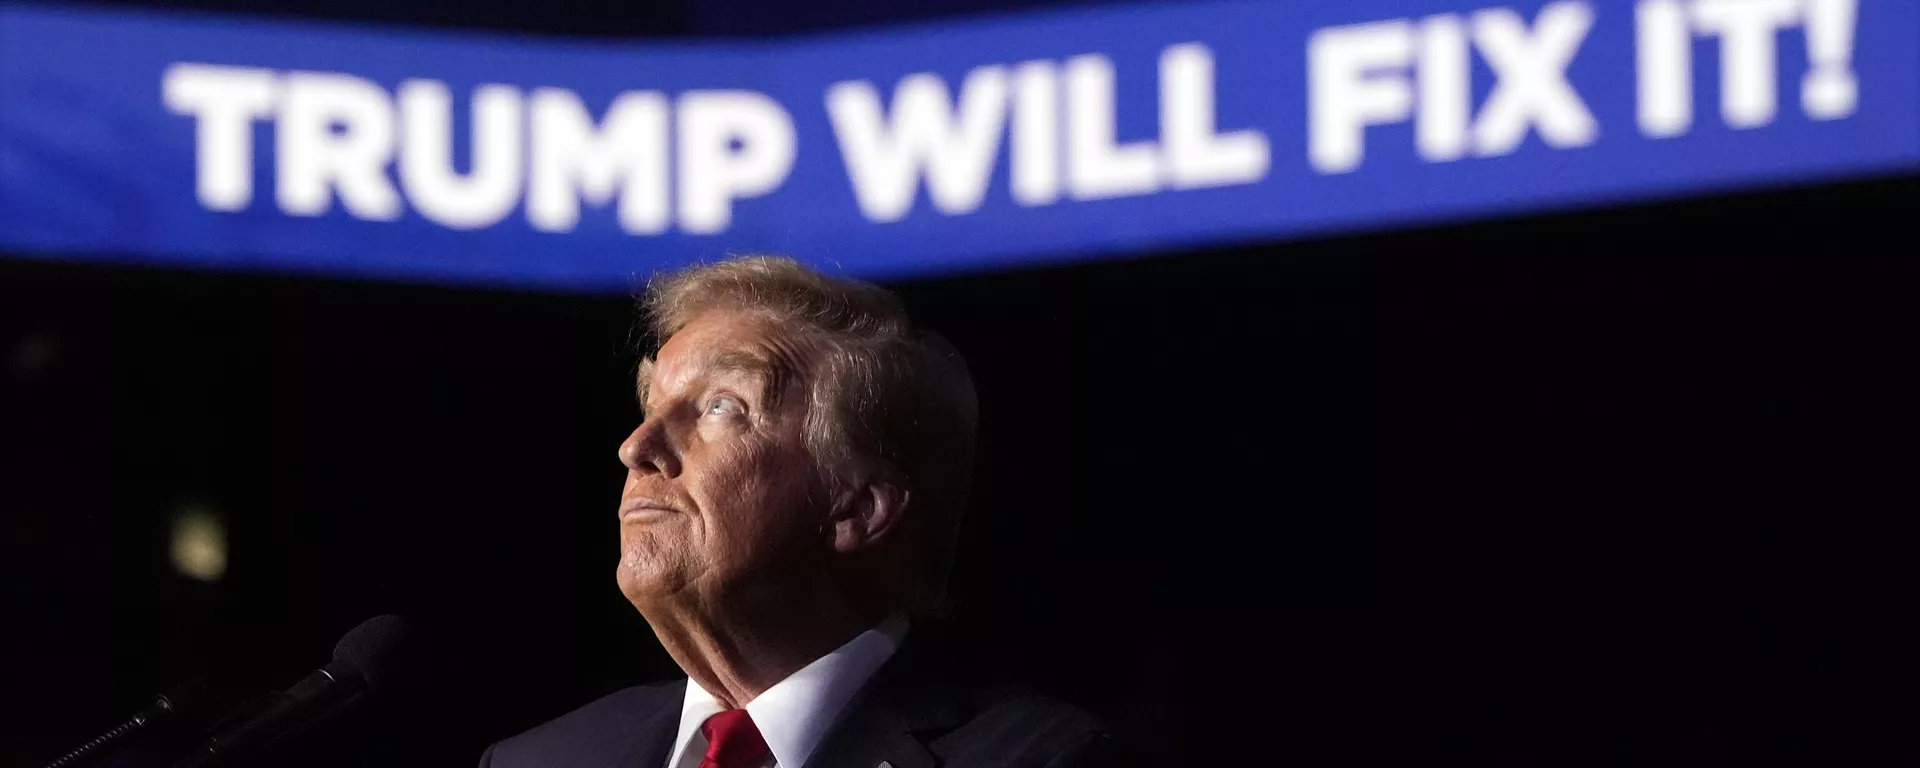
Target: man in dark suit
[792, 497]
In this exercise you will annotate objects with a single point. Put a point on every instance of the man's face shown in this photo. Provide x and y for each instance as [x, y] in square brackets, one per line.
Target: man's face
[721, 494]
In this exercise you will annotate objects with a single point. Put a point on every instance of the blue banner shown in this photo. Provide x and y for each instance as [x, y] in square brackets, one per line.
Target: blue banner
[495, 160]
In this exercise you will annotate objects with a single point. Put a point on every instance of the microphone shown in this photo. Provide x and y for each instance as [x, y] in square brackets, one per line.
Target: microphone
[370, 660]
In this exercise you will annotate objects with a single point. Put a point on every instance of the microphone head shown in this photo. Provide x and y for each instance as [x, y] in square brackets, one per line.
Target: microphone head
[385, 649]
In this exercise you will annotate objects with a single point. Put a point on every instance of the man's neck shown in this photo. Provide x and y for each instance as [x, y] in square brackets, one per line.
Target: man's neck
[738, 657]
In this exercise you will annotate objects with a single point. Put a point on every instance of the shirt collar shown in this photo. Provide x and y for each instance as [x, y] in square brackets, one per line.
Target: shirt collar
[796, 713]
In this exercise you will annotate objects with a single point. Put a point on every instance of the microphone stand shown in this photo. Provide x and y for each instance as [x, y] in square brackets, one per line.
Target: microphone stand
[164, 706]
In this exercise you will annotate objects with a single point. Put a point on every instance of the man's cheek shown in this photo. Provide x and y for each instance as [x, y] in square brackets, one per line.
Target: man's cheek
[742, 466]
[731, 487]
[729, 474]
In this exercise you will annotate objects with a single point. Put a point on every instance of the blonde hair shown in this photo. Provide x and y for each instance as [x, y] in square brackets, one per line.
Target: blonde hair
[889, 397]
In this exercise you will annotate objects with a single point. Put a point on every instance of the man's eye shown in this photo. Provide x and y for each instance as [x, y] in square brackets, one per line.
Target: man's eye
[724, 406]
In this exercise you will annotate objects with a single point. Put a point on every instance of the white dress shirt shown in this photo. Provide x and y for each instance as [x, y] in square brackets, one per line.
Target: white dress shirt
[794, 715]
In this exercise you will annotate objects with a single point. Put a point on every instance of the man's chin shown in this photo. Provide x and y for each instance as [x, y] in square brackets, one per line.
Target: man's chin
[644, 586]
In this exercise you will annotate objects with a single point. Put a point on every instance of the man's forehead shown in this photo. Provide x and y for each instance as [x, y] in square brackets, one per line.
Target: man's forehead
[699, 352]
[743, 360]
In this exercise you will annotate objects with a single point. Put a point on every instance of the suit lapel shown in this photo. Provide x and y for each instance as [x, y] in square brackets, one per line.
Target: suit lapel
[872, 733]
[652, 733]
[911, 698]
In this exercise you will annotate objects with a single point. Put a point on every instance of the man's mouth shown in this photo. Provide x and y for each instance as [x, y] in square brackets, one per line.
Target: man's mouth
[644, 510]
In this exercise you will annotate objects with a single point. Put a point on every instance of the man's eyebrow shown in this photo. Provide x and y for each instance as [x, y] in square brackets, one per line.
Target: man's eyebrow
[771, 372]
[738, 361]
[642, 382]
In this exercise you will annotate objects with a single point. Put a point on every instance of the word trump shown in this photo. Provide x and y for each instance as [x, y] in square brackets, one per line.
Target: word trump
[336, 135]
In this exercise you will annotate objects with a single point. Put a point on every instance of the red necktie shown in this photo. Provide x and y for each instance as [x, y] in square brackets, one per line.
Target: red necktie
[733, 741]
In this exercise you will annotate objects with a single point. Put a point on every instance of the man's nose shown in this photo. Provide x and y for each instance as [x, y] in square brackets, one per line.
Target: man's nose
[649, 451]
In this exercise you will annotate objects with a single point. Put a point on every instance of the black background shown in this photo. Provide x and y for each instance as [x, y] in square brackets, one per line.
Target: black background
[1625, 486]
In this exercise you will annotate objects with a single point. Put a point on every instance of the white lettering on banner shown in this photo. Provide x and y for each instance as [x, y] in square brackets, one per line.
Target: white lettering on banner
[1357, 78]
[733, 145]
[1035, 153]
[1195, 155]
[1746, 29]
[488, 192]
[685, 160]
[336, 136]
[1664, 52]
[1343, 94]
[885, 157]
[1530, 89]
[575, 161]
[953, 146]
[1097, 167]
[225, 101]
[1749, 59]
[1830, 90]
[335, 133]
[1445, 89]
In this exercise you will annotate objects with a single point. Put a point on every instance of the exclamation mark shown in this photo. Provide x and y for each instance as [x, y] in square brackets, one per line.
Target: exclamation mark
[1830, 91]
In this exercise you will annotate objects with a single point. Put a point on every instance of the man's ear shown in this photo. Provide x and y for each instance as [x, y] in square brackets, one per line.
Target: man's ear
[867, 511]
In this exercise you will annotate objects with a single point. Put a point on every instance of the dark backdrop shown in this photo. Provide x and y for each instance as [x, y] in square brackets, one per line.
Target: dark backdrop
[1616, 487]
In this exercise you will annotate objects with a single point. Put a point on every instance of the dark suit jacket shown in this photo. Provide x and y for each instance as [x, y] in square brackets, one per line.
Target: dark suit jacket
[920, 710]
